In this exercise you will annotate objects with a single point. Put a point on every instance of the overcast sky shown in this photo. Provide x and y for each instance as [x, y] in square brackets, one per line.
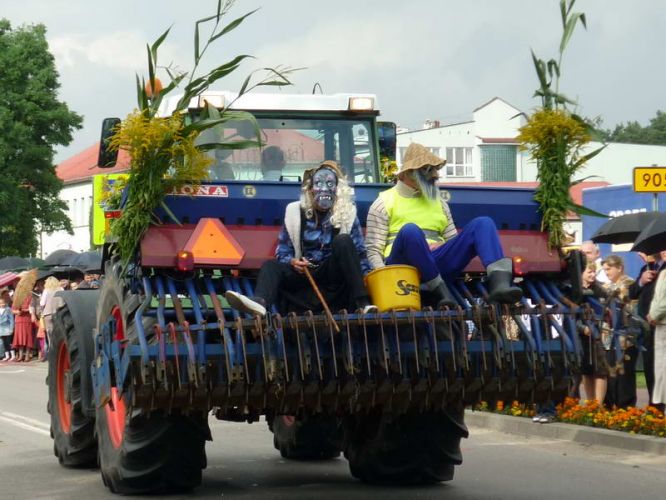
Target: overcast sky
[425, 59]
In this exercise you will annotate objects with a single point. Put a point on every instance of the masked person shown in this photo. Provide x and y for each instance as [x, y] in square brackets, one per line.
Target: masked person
[412, 224]
[321, 232]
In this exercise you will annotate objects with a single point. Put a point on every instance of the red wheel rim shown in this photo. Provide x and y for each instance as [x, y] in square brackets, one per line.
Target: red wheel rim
[62, 388]
[116, 409]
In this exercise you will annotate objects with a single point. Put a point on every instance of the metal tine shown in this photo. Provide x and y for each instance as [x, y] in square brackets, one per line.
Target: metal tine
[161, 301]
[161, 356]
[385, 353]
[240, 338]
[174, 341]
[219, 312]
[430, 317]
[463, 340]
[476, 311]
[260, 328]
[195, 297]
[412, 319]
[138, 322]
[397, 340]
[367, 347]
[177, 304]
[310, 318]
[294, 324]
[333, 353]
[191, 364]
[350, 354]
[277, 319]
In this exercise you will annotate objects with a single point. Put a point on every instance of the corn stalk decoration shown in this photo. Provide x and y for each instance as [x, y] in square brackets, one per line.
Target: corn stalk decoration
[164, 151]
[556, 138]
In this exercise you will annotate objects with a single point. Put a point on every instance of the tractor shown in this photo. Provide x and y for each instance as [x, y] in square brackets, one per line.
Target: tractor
[138, 367]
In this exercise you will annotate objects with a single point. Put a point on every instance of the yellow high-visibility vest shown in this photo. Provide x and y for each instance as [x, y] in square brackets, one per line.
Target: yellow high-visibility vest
[425, 213]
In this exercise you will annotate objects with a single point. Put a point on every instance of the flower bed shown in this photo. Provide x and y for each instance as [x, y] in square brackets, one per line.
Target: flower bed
[648, 421]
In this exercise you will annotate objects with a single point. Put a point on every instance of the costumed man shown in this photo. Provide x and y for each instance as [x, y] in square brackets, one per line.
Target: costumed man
[321, 232]
[411, 224]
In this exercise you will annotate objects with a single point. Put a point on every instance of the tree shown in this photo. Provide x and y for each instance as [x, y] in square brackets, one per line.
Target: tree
[634, 133]
[32, 122]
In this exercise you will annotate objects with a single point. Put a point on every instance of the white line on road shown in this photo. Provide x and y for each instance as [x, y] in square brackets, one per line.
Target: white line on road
[12, 371]
[25, 423]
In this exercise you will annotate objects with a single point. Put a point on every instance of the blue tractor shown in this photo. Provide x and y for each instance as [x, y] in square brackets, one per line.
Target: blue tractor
[137, 367]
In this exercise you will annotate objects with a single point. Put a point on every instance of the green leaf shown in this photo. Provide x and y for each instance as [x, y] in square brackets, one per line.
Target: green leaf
[578, 181]
[569, 28]
[232, 25]
[169, 212]
[196, 43]
[158, 42]
[581, 210]
[584, 159]
[231, 145]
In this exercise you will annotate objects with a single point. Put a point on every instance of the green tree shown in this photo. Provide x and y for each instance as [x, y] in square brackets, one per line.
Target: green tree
[635, 133]
[32, 122]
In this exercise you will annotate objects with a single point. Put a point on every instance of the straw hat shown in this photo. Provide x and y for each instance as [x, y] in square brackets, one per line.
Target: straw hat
[418, 156]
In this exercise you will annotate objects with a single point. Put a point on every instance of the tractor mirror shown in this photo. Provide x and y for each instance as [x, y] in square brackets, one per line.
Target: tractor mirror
[107, 158]
[386, 136]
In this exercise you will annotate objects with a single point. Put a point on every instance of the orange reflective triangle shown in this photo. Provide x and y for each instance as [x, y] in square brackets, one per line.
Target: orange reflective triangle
[212, 243]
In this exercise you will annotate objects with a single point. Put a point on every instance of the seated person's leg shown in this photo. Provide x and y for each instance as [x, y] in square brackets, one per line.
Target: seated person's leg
[480, 237]
[272, 276]
[410, 247]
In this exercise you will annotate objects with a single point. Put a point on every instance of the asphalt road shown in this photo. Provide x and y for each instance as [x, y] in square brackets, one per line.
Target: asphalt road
[243, 463]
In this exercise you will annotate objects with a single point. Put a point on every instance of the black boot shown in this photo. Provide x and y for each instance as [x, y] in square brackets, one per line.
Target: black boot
[500, 283]
[444, 297]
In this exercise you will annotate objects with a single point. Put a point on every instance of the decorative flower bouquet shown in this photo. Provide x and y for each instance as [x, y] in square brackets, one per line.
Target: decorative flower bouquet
[163, 150]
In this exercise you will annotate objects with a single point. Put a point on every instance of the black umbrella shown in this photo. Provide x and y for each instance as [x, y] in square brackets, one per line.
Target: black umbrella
[14, 263]
[653, 238]
[87, 261]
[59, 257]
[625, 228]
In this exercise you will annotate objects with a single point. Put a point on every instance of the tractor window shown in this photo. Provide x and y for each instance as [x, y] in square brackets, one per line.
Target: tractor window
[293, 145]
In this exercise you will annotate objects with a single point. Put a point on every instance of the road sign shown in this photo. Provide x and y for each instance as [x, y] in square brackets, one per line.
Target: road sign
[650, 179]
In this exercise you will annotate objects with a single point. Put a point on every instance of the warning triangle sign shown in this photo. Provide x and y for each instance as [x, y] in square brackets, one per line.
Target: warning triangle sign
[211, 243]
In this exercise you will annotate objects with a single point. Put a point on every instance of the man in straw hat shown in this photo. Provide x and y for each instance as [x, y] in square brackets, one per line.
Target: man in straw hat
[322, 233]
[412, 224]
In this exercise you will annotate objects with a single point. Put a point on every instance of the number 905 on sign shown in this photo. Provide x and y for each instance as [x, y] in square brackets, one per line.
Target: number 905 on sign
[650, 179]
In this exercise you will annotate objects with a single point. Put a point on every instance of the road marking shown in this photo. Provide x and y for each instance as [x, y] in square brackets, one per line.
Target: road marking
[25, 423]
[12, 371]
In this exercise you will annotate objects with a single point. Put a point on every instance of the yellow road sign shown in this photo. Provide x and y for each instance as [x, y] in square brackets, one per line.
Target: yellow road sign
[650, 179]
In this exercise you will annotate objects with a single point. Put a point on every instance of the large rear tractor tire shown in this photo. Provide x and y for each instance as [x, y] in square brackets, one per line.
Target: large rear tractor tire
[73, 431]
[414, 448]
[141, 452]
[316, 437]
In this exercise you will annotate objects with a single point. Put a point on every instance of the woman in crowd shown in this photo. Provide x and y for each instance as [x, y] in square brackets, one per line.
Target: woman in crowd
[49, 304]
[622, 383]
[6, 327]
[594, 366]
[24, 320]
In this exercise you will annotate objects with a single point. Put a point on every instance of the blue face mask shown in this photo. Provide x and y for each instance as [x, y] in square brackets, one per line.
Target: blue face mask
[324, 185]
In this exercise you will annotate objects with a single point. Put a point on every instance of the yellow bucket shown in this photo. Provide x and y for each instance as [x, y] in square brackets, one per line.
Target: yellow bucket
[394, 287]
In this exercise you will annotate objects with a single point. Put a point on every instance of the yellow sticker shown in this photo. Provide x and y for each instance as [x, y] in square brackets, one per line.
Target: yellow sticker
[249, 191]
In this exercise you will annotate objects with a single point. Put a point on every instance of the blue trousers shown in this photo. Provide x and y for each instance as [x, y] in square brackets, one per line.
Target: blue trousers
[478, 238]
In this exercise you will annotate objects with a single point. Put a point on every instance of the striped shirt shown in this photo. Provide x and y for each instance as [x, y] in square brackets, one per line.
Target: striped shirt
[377, 226]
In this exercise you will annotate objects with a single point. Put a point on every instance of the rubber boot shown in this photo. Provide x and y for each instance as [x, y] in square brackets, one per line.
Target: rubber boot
[500, 282]
[437, 286]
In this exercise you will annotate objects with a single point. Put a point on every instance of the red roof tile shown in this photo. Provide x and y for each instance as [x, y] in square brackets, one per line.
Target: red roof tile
[83, 166]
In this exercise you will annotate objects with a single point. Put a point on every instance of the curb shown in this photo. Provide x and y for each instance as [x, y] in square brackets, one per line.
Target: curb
[569, 432]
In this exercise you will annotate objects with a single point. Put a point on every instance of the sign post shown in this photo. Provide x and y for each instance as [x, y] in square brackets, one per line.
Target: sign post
[650, 180]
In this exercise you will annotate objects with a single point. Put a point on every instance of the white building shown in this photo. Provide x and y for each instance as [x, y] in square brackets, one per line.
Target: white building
[77, 173]
[484, 149]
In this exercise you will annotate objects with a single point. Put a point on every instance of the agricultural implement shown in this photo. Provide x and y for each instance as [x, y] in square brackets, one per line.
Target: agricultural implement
[137, 367]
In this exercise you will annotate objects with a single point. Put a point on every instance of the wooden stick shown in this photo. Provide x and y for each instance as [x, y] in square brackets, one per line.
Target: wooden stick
[321, 299]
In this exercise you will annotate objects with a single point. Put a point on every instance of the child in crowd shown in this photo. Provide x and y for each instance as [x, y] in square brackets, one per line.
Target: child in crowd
[6, 329]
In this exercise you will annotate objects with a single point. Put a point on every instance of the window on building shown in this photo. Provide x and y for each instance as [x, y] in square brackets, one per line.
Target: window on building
[498, 163]
[459, 162]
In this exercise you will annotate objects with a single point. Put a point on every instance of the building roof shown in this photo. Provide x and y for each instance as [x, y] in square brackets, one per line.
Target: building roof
[83, 166]
[493, 100]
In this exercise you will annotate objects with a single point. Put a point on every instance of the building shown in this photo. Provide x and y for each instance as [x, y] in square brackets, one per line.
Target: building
[77, 173]
[484, 149]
